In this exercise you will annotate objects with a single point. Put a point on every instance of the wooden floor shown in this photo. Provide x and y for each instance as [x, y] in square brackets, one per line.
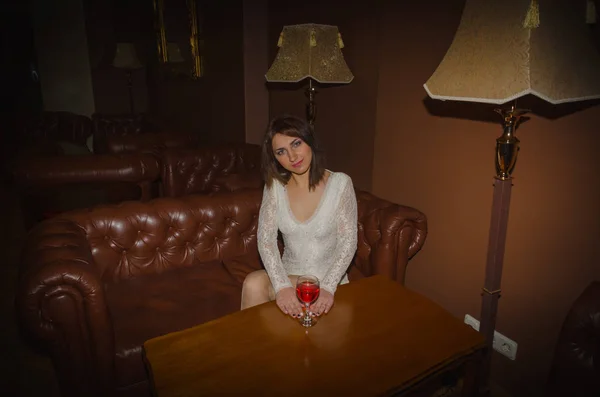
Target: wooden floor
[26, 373]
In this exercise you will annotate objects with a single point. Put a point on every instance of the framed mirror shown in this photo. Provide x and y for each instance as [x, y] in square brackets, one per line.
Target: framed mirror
[178, 37]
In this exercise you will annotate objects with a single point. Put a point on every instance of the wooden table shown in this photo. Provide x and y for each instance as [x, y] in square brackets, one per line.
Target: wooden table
[379, 339]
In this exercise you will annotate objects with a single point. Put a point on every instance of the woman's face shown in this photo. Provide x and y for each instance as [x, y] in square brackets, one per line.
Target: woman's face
[292, 153]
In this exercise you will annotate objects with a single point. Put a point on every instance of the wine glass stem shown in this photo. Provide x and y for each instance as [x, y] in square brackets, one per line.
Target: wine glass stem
[307, 313]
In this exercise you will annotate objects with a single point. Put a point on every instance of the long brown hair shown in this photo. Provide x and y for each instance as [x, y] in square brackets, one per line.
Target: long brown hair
[294, 127]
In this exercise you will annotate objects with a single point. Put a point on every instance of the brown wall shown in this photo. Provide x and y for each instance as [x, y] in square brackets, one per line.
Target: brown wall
[256, 50]
[444, 167]
[345, 120]
[62, 56]
[107, 23]
[223, 24]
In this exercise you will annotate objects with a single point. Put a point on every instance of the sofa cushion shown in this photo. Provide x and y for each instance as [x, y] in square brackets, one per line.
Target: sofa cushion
[149, 306]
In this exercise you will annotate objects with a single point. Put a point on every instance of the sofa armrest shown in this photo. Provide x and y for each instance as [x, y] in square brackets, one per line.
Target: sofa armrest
[60, 302]
[413, 229]
[44, 171]
[389, 235]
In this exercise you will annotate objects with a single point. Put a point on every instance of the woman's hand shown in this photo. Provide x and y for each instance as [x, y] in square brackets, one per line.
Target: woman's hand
[288, 302]
[323, 303]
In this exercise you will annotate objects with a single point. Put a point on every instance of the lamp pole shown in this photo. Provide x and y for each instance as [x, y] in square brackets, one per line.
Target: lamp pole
[507, 148]
[130, 87]
[311, 106]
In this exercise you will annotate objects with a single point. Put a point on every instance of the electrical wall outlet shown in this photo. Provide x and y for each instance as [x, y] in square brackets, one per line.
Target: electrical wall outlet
[503, 345]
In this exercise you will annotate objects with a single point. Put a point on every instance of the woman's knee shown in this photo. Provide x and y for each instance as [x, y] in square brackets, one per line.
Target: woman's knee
[258, 279]
[256, 289]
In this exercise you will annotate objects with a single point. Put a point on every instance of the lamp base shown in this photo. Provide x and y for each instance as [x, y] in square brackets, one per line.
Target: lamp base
[130, 88]
[507, 148]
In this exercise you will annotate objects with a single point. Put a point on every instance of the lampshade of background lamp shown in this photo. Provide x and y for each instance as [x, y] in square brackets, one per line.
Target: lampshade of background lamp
[310, 51]
[126, 58]
[503, 50]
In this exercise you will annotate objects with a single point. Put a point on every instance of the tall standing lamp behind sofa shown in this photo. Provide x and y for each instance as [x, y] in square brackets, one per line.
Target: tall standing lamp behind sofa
[126, 59]
[310, 51]
[504, 50]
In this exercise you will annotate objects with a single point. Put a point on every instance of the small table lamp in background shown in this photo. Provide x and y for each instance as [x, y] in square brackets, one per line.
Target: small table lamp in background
[310, 51]
[173, 66]
[174, 53]
[503, 50]
[126, 58]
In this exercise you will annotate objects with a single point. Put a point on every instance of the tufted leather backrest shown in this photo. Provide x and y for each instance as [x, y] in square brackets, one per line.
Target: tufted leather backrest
[199, 170]
[105, 126]
[117, 124]
[54, 127]
[136, 238]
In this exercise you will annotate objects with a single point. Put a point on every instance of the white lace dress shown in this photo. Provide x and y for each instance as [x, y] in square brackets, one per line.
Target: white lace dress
[322, 246]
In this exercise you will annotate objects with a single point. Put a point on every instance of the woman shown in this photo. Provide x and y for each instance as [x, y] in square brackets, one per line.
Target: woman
[315, 210]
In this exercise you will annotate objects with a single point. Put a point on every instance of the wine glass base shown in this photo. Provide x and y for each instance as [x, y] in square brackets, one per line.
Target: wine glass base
[308, 321]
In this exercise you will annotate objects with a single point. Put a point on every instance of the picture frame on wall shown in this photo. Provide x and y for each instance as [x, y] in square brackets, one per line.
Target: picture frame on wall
[178, 37]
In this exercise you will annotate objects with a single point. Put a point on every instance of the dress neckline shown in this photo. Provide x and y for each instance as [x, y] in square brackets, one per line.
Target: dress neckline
[316, 211]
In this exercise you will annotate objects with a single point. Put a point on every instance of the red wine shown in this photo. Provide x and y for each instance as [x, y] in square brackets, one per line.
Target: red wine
[307, 292]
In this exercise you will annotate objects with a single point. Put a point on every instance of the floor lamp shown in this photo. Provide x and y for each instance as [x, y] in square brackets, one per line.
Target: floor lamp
[312, 52]
[126, 59]
[503, 50]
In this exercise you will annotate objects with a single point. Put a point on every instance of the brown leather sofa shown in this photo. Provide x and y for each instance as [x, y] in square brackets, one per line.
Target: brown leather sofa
[136, 133]
[50, 182]
[575, 369]
[153, 142]
[37, 135]
[210, 169]
[51, 127]
[95, 284]
[40, 133]
[50, 185]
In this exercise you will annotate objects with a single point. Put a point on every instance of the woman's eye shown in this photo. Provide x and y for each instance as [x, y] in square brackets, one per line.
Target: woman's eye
[296, 143]
[279, 152]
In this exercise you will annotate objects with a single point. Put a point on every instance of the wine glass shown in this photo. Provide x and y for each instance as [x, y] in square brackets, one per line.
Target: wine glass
[307, 291]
